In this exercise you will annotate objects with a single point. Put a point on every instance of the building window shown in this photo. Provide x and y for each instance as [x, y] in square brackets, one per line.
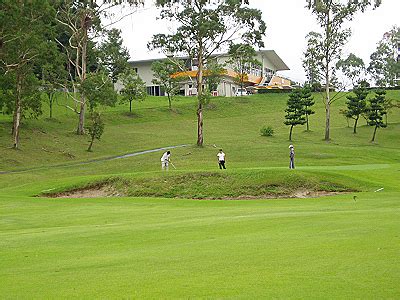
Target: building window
[154, 90]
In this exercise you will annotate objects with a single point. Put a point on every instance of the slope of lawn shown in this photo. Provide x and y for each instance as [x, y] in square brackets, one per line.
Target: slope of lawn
[154, 246]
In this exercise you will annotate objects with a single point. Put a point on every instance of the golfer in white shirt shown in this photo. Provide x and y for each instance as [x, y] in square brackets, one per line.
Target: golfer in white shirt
[221, 159]
[165, 159]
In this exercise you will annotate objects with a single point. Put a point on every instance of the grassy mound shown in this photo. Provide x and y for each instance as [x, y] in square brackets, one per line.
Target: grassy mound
[214, 185]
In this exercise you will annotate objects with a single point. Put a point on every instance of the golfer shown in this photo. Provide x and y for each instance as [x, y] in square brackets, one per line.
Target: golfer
[165, 159]
[291, 155]
[221, 159]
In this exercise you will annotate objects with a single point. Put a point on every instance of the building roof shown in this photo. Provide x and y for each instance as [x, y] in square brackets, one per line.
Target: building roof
[275, 59]
[271, 55]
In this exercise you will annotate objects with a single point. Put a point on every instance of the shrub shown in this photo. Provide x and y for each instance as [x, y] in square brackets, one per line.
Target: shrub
[267, 131]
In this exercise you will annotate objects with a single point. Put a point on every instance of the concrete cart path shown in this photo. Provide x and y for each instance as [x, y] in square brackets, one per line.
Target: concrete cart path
[94, 160]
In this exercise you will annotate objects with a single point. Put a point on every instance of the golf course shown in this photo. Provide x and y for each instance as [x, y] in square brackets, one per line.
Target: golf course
[110, 224]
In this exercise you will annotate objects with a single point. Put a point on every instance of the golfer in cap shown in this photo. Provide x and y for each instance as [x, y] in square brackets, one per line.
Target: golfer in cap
[165, 159]
[291, 155]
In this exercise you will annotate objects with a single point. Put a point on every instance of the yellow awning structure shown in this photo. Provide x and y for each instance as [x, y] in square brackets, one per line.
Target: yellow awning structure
[229, 73]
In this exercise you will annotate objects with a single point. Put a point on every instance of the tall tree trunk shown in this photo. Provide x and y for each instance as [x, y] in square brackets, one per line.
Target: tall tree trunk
[17, 112]
[81, 123]
[308, 128]
[327, 106]
[373, 136]
[327, 82]
[327, 121]
[355, 125]
[130, 106]
[200, 98]
[169, 101]
[290, 133]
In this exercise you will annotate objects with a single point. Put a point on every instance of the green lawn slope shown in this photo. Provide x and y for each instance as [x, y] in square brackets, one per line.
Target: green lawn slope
[163, 244]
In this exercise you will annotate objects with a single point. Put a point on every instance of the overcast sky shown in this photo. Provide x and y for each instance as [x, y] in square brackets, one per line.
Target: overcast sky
[288, 22]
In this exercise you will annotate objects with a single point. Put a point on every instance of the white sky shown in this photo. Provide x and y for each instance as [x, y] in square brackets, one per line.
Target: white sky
[288, 22]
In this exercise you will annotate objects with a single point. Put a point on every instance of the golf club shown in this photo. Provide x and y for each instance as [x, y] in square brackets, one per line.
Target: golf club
[172, 165]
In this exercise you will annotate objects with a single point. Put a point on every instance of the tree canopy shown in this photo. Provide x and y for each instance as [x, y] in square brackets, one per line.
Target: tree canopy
[203, 28]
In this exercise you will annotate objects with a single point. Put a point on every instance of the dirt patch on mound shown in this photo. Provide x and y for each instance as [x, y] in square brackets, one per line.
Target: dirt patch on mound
[90, 192]
[108, 191]
[297, 194]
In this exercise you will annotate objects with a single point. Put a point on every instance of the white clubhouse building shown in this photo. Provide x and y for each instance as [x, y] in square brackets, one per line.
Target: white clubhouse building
[261, 76]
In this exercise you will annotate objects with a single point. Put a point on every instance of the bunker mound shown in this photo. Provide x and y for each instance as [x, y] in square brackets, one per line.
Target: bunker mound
[209, 185]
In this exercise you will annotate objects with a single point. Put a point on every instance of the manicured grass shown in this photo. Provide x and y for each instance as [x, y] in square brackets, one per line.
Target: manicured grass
[149, 247]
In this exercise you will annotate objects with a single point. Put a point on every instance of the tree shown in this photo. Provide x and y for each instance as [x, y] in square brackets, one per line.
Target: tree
[331, 15]
[25, 30]
[165, 75]
[214, 74]
[295, 114]
[113, 56]
[308, 102]
[98, 89]
[81, 20]
[242, 59]
[356, 104]
[53, 75]
[134, 87]
[311, 60]
[205, 27]
[95, 129]
[384, 66]
[376, 111]
[353, 68]
[388, 105]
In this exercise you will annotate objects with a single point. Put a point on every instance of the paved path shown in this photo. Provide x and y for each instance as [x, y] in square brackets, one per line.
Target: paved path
[94, 160]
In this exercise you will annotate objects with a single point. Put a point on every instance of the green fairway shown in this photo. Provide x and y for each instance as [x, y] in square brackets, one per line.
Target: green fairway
[165, 244]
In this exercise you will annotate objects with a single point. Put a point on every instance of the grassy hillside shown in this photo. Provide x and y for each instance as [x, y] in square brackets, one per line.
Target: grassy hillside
[231, 123]
[163, 244]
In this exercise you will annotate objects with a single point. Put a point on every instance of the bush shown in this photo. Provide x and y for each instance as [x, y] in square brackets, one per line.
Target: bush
[267, 131]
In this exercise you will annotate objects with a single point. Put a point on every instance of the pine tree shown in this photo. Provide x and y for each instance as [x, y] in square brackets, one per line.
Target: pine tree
[376, 111]
[356, 104]
[295, 113]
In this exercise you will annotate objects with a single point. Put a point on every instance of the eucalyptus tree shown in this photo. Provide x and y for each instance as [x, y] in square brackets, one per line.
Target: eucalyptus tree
[353, 68]
[81, 20]
[332, 16]
[204, 27]
[25, 33]
[311, 60]
[384, 66]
